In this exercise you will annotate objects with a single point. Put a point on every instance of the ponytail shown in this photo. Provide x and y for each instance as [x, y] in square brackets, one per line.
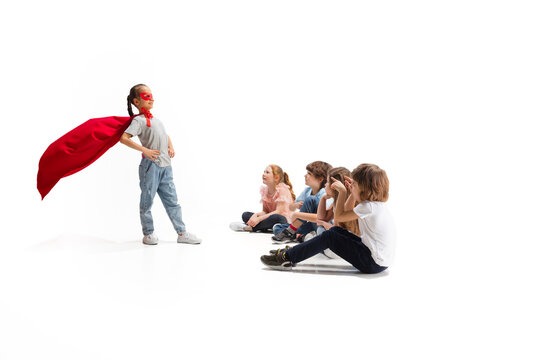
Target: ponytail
[282, 177]
[130, 110]
[288, 182]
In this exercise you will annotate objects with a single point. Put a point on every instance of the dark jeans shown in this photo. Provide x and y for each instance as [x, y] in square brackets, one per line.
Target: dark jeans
[310, 205]
[343, 243]
[267, 224]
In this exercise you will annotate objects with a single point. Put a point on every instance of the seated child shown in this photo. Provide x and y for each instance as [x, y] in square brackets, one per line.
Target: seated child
[276, 196]
[371, 253]
[325, 216]
[305, 221]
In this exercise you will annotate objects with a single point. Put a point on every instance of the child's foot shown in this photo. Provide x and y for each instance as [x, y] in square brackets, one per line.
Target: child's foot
[284, 237]
[308, 236]
[273, 252]
[150, 239]
[188, 238]
[330, 254]
[277, 261]
[239, 226]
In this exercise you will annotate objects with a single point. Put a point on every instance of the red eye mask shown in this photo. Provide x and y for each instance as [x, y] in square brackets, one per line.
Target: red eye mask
[146, 96]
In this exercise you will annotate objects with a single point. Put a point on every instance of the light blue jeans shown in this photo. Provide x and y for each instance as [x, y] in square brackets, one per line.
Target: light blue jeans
[310, 205]
[152, 179]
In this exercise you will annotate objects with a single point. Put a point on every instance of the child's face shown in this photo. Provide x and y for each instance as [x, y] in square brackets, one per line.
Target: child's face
[268, 176]
[312, 181]
[142, 102]
[327, 187]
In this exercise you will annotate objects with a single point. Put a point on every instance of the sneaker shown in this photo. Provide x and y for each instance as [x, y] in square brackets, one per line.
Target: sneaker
[188, 238]
[286, 236]
[330, 254]
[310, 235]
[273, 252]
[150, 239]
[238, 226]
[277, 261]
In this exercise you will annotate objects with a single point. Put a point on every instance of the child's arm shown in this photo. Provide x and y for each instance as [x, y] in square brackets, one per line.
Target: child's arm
[304, 216]
[296, 205]
[324, 224]
[281, 209]
[323, 213]
[349, 204]
[126, 140]
[170, 148]
[340, 214]
[256, 218]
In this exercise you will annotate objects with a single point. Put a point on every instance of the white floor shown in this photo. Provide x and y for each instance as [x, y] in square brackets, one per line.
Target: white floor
[78, 297]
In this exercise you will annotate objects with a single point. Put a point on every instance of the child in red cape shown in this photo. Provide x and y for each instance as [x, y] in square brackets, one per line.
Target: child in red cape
[85, 144]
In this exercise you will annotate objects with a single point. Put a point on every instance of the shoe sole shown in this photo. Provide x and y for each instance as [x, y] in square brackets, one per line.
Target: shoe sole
[277, 267]
[288, 241]
[190, 243]
[280, 268]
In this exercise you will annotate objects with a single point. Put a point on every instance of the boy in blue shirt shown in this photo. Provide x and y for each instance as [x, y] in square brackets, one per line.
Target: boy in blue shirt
[305, 221]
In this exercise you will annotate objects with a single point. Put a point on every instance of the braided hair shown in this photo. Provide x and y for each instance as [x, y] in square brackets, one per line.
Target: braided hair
[133, 94]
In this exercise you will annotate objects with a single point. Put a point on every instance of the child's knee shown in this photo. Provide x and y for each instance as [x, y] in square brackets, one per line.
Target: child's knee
[310, 204]
[246, 216]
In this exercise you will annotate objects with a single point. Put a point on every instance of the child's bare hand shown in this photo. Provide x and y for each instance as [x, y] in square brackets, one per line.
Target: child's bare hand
[348, 182]
[324, 224]
[253, 220]
[151, 154]
[338, 186]
[171, 152]
[299, 204]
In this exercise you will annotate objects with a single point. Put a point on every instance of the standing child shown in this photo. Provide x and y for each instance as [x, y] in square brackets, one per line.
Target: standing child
[305, 221]
[276, 196]
[155, 171]
[371, 253]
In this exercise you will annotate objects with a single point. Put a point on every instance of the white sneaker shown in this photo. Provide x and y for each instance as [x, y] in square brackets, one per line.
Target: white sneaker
[238, 226]
[150, 239]
[329, 253]
[310, 235]
[188, 238]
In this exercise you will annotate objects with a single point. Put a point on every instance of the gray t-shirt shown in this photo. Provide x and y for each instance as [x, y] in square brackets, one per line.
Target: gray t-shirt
[153, 137]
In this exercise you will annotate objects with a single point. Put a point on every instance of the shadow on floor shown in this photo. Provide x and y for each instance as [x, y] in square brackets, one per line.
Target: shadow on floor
[84, 244]
[332, 269]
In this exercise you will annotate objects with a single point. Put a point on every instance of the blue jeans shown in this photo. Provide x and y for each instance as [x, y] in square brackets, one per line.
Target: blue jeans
[310, 205]
[343, 243]
[152, 179]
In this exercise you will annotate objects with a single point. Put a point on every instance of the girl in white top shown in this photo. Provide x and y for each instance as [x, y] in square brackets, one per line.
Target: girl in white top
[371, 253]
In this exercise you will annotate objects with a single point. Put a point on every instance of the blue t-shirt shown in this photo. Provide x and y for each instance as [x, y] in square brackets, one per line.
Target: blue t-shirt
[307, 192]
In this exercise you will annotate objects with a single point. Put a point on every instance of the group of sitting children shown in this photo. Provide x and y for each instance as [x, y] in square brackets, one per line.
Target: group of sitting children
[339, 213]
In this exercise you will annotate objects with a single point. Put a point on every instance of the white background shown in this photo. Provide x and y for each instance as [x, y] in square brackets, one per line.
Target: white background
[442, 95]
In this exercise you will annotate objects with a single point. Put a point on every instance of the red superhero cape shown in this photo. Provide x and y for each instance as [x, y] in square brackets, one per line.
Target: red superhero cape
[77, 149]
